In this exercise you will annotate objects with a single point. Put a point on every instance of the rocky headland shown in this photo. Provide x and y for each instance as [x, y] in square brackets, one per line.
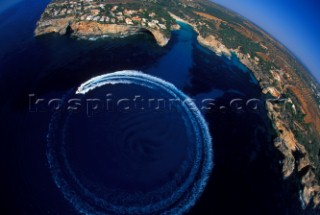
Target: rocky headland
[87, 21]
[292, 94]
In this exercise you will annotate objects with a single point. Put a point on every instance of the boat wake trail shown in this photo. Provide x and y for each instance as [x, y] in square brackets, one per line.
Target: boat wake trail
[133, 163]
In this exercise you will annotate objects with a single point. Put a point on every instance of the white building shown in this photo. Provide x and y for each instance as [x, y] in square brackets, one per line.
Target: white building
[162, 26]
[152, 25]
[155, 21]
[89, 18]
[96, 18]
[129, 21]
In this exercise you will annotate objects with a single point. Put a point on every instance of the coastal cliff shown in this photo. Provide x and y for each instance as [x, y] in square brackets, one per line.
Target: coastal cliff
[286, 142]
[83, 29]
[94, 20]
[292, 95]
[282, 111]
[215, 45]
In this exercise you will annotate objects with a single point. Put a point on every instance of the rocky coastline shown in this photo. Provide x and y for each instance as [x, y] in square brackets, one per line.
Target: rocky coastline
[83, 29]
[286, 141]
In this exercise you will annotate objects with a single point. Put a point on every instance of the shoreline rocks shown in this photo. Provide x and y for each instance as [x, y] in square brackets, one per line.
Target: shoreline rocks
[85, 29]
[286, 143]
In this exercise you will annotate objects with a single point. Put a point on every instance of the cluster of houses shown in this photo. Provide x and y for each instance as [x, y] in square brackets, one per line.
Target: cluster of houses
[129, 17]
[60, 9]
[91, 10]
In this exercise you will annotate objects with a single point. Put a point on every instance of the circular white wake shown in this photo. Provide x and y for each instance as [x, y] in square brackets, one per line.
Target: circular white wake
[176, 196]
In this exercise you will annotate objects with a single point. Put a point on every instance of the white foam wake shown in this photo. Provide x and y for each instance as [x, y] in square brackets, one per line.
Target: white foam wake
[178, 199]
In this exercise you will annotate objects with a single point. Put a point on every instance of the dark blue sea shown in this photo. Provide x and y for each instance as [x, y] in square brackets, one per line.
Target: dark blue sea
[246, 177]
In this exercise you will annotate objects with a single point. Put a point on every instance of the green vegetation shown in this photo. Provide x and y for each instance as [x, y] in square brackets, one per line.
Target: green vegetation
[205, 31]
[266, 66]
[221, 13]
[296, 121]
[233, 39]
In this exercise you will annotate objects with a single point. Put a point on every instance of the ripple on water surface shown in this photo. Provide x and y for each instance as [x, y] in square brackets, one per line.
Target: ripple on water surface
[154, 157]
